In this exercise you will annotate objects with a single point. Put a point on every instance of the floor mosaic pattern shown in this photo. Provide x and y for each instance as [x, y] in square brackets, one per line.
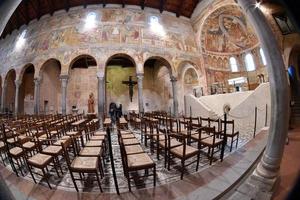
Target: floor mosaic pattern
[163, 175]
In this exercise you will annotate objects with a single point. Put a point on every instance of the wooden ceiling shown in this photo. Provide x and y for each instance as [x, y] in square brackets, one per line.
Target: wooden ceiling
[35, 9]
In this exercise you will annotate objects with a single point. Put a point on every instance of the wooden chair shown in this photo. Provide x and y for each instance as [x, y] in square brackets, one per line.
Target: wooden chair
[81, 165]
[182, 151]
[40, 161]
[212, 142]
[133, 162]
[230, 133]
[14, 153]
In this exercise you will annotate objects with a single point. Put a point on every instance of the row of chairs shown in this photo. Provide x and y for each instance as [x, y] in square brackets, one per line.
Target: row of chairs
[44, 144]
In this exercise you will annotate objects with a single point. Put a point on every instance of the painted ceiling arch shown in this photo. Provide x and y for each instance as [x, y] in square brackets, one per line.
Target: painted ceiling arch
[226, 31]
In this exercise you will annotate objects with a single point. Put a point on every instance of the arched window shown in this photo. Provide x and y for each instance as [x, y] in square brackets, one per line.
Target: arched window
[233, 64]
[249, 62]
[262, 55]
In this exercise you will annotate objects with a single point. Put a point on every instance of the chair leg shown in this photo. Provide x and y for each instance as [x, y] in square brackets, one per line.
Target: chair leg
[75, 185]
[211, 155]
[198, 158]
[45, 175]
[128, 181]
[30, 171]
[98, 180]
[19, 166]
[3, 161]
[231, 144]
[237, 139]
[55, 167]
[182, 169]
[100, 167]
[154, 175]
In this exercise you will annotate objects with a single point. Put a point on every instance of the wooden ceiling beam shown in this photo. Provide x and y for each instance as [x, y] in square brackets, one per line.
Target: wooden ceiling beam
[179, 9]
[103, 3]
[27, 11]
[85, 4]
[123, 3]
[39, 14]
[67, 5]
[51, 5]
[142, 3]
[162, 5]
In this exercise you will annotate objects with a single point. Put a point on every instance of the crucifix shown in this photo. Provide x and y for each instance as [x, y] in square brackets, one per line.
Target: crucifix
[130, 83]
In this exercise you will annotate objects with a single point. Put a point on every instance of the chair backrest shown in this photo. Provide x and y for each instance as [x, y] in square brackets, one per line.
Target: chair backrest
[65, 145]
[204, 121]
[229, 125]
[215, 123]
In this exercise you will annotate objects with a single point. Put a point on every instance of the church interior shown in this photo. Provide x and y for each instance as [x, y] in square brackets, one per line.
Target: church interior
[150, 99]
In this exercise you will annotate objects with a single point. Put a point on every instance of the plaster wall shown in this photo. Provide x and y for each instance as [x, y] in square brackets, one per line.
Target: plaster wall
[50, 89]
[82, 82]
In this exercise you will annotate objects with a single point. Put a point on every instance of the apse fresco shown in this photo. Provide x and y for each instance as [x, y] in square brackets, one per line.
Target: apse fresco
[227, 31]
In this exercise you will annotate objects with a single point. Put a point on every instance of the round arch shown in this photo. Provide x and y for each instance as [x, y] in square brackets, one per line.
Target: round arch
[10, 91]
[44, 65]
[120, 67]
[164, 62]
[89, 59]
[50, 87]
[24, 68]
[121, 55]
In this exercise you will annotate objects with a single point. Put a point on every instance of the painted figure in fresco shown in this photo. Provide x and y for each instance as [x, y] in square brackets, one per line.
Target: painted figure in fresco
[130, 84]
[91, 103]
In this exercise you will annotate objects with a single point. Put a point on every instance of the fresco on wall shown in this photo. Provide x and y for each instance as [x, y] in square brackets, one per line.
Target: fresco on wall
[130, 34]
[226, 30]
[190, 77]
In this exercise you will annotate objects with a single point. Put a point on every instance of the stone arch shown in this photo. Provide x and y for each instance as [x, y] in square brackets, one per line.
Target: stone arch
[24, 68]
[164, 61]
[82, 81]
[185, 65]
[124, 65]
[79, 57]
[50, 87]
[42, 68]
[123, 55]
[10, 90]
[26, 90]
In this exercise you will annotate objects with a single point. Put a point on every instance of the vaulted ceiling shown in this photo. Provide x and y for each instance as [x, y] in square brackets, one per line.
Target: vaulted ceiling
[35, 9]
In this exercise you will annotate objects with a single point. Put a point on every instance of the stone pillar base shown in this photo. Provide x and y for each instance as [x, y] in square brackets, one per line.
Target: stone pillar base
[261, 183]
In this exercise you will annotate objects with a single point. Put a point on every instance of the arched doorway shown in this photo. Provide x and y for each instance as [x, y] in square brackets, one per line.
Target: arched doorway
[10, 91]
[119, 68]
[189, 77]
[157, 85]
[26, 92]
[50, 89]
[82, 82]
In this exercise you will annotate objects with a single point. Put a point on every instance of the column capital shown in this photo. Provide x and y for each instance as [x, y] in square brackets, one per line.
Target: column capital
[37, 81]
[64, 77]
[100, 75]
[173, 78]
[140, 75]
[18, 83]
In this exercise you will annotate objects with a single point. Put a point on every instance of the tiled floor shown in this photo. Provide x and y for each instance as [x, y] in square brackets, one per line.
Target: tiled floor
[206, 184]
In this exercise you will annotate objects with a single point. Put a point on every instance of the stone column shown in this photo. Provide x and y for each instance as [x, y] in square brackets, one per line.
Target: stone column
[268, 168]
[18, 84]
[101, 98]
[3, 97]
[175, 99]
[64, 83]
[140, 77]
[37, 84]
